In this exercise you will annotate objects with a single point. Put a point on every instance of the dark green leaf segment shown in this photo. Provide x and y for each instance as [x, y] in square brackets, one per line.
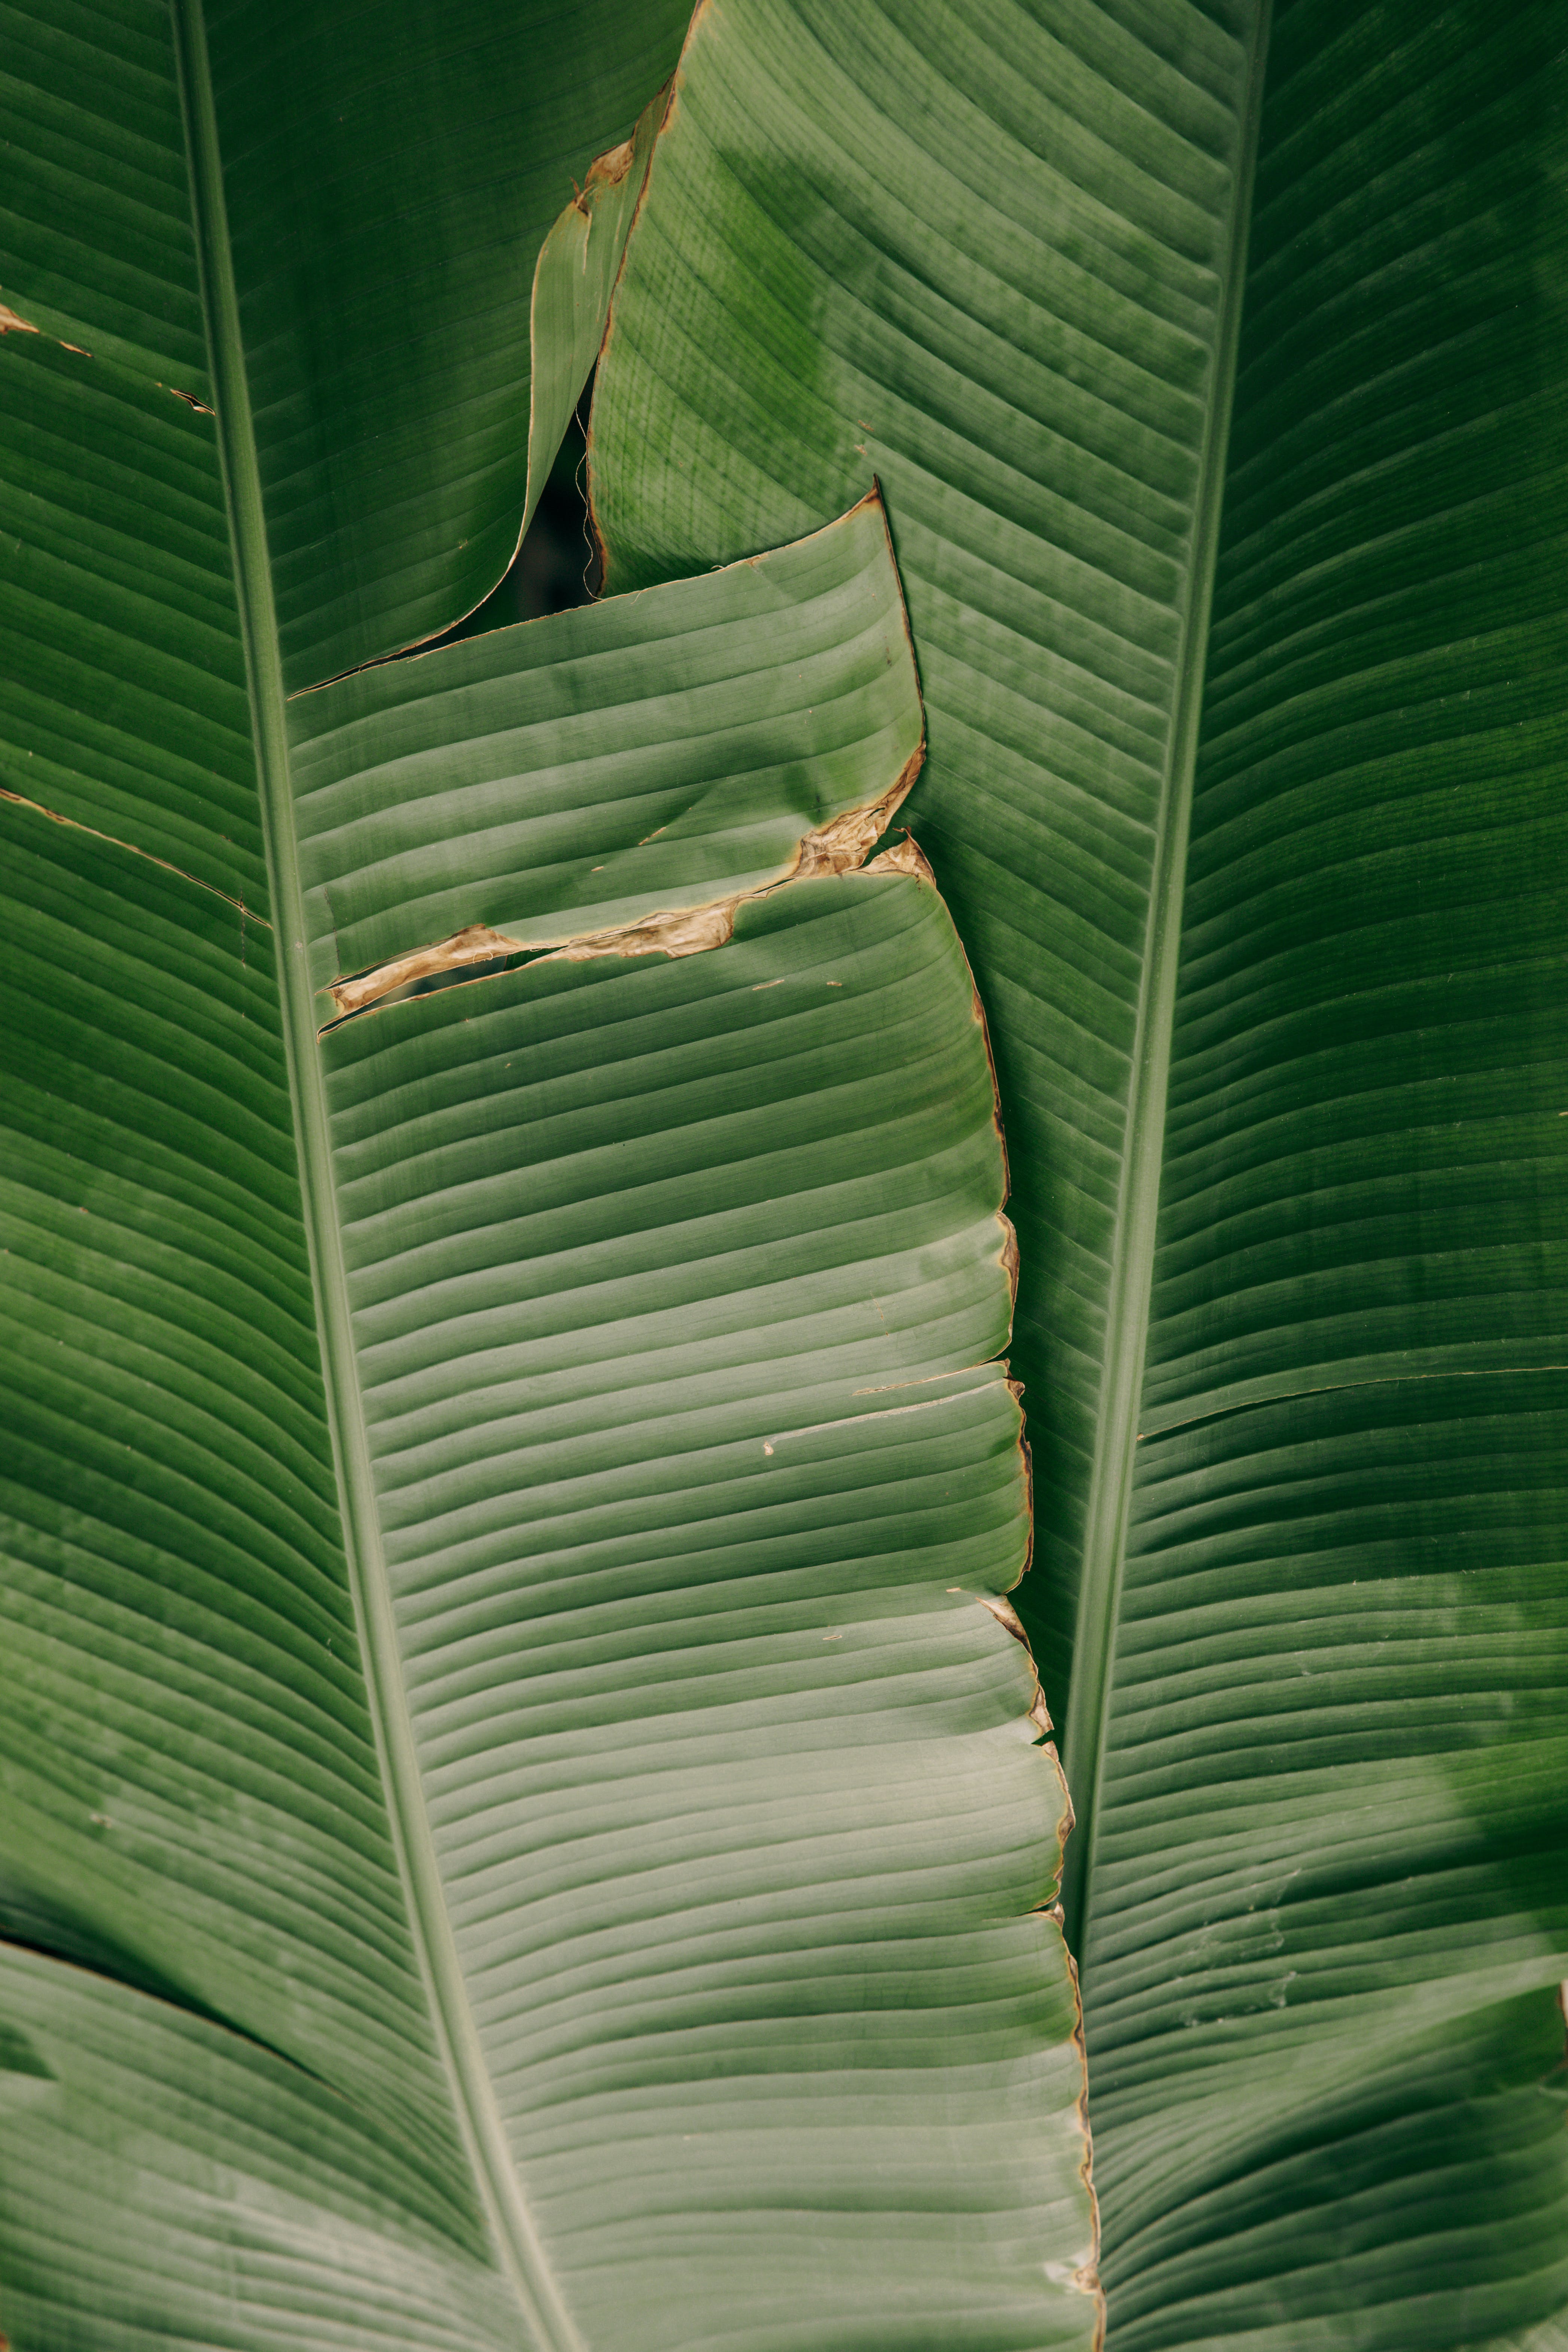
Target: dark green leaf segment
[390, 178]
[1212, 371]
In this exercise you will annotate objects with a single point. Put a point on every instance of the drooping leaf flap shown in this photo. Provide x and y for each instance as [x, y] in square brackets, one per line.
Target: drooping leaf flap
[1272, 982]
[387, 178]
[659, 756]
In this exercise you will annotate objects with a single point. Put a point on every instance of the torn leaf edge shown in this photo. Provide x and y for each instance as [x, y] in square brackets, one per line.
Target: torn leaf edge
[838, 847]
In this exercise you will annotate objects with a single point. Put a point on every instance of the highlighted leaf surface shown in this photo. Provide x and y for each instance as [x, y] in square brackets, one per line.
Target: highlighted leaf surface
[674, 1290]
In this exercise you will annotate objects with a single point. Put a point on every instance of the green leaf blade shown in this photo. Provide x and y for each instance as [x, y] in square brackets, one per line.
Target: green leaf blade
[125, 679]
[386, 338]
[186, 1699]
[285, 1794]
[759, 2037]
[1348, 1484]
[673, 1508]
[97, 247]
[390, 182]
[212, 2190]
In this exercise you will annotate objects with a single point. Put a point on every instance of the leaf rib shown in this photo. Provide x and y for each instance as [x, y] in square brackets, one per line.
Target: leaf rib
[521, 2254]
[1138, 1201]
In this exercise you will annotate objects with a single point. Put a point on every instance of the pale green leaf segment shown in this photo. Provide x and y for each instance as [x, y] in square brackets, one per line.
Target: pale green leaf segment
[1551, 2336]
[1212, 371]
[572, 282]
[517, 1828]
[738, 2002]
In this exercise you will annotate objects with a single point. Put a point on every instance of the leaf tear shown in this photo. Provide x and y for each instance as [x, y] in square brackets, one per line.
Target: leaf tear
[12, 323]
[612, 167]
[1005, 1615]
[836, 847]
[685, 930]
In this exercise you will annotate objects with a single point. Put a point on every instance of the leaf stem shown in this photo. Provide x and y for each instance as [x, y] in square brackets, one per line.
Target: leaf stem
[520, 2252]
[1137, 1202]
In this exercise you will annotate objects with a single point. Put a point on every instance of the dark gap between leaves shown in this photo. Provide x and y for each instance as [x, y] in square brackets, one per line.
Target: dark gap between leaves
[557, 567]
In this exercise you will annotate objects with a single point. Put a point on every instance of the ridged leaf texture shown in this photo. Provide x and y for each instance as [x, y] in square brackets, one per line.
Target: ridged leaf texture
[1212, 370]
[526, 1821]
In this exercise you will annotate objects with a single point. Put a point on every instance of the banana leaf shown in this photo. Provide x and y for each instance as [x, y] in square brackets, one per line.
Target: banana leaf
[526, 1818]
[1211, 363]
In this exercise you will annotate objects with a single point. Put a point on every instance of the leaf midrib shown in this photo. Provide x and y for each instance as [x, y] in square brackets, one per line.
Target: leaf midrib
[1143, 1157]
[473, 2094]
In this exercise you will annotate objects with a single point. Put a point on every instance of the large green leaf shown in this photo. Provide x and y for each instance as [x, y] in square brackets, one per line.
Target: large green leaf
[983, 258]
[1254, 830]
[670, 1284]
[525, 1821]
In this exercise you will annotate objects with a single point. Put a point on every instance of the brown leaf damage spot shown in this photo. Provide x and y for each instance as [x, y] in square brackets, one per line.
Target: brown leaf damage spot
[836, 847]
[1005, 1615]
[1009, 1254]
[686, 930]
[1038, 1713]
[905, 857]
[612, 166]
[12, 323]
